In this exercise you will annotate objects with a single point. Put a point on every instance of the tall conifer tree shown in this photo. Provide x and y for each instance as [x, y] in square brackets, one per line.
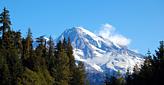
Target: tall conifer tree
[5, 21]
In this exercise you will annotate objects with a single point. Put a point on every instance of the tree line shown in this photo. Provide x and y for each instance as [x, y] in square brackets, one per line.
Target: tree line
[150, 73]
[46, 64]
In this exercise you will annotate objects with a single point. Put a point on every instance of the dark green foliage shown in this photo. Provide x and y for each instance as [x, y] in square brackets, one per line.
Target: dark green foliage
[151, 72]
[5, 77]
[72, 65]
[62, 65]
[80, 74]
[51, 59]
[5, 21]
[29, 77]
[41, 41]
[15, 65]
[27, 49]
[21, 64]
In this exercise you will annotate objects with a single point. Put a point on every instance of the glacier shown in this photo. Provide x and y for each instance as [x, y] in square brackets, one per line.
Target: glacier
[100, 56]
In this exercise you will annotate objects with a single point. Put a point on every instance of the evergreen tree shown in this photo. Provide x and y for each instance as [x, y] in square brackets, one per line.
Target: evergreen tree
[40, 40]
[160, 52]
[62, 66]
[64, 42]
[18, 40]
[27, 48]
[21, 64]
[5, 21]
[51, 59]
[72, 65]
[51, 51]
[28, 44]
[152, 71]
[80, 74]
[159, 65]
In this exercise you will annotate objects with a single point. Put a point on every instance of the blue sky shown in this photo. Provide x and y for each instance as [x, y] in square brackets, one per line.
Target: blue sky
[142, 21]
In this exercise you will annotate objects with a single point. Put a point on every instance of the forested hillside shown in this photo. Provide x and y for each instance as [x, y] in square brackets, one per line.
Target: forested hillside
[47, 64]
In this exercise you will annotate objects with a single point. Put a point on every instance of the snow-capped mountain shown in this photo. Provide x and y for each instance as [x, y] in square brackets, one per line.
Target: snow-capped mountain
[100, 55]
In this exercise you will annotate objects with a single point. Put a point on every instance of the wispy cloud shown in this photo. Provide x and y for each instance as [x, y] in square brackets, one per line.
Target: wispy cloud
[135, 50]
[107, 31]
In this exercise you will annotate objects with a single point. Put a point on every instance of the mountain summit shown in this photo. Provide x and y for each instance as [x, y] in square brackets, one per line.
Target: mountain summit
[100, 55]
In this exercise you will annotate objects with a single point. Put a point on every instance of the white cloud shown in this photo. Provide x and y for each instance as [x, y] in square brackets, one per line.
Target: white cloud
[135, 50]
[107, 31]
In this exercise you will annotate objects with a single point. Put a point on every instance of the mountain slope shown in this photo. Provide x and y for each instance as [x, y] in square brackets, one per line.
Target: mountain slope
[100, 55]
